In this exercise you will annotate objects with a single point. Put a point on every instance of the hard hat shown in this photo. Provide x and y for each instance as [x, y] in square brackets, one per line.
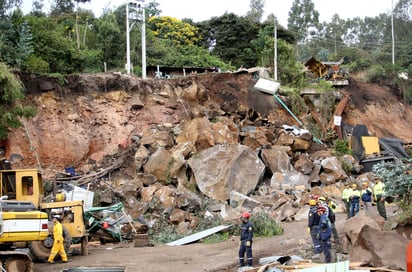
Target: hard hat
[312, 202]
[245, 215]
[321, 209]
[322, 198]
[354, 185]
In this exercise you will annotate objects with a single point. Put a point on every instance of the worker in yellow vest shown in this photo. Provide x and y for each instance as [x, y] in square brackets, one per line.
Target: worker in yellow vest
[379, 192]
[354, 199]
[347, 192]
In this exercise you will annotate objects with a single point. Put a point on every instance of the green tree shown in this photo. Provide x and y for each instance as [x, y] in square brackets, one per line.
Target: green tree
[255, 13]
[229, 38]
[303, 19]
[5, 5]
[24, 44]
[11, 94]
[109, 38]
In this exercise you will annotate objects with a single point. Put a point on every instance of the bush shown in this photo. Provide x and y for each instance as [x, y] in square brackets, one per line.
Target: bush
[37, 65]
[397, 176]
[375, 73]
[265, 226]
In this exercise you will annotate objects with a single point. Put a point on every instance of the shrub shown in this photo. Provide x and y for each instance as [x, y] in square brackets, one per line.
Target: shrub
[265, 226]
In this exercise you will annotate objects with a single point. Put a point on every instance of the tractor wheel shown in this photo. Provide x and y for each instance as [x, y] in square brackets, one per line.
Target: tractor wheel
[40, 250]
[16, 264]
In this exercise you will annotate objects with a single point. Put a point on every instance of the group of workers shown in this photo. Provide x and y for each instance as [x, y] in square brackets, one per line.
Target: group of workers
[321, 225]
[321, 218]
[353, 198]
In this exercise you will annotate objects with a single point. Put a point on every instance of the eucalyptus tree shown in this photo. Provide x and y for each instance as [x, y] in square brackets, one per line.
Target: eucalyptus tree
[256, 11]
[303, 19]
[6, 5]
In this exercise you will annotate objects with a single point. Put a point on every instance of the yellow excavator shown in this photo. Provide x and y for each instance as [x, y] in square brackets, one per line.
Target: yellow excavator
[24, 188]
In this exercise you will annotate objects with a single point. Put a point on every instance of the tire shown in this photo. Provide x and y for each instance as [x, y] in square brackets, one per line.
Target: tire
[18, 264]
[40, 250]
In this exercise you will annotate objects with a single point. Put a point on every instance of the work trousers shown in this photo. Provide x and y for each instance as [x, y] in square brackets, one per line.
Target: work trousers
[58, 247]
[248, 250]
[334, 232]
[347, 207]
[316, 243]
[367, 206]
[354, 209]
[381, 206]
[326, 246]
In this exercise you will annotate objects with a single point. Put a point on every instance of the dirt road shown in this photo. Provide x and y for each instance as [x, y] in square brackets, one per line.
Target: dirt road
[189, 258]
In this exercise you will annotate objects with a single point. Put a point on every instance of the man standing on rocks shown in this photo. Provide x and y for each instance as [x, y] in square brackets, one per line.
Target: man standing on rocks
[313, 225]
[246, 236]
[366, 198]
[354, 199]
[347, 192]
[324, 233]
[379, 192]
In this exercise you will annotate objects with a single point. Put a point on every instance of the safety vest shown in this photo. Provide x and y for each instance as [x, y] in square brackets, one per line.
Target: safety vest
[347, 192]
[379, 188]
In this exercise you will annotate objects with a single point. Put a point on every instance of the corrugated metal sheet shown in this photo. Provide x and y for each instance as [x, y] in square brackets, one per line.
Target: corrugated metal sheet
[197, 236]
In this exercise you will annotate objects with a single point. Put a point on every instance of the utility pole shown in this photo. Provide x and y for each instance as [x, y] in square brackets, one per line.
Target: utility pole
[393, 38]
[275, 53]
[127, 40]
[143, 43]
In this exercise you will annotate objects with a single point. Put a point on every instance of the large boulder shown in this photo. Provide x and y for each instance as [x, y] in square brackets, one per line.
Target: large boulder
[373, 246]
[224, 168]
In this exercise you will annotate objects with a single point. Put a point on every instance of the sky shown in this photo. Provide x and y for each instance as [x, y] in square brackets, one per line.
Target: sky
[200, 10]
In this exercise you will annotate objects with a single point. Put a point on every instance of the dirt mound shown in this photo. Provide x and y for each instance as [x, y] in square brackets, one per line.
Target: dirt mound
[377, 107]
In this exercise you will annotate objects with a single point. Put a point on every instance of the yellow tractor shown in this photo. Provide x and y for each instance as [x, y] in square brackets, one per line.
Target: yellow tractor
[26, 185]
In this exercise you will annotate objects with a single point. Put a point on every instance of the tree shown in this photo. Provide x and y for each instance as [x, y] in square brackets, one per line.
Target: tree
[256, 10]
[109, 39]
[179, 32]
[24, 44]
[302, 19]
[229, 37]
[11, 93]
[8, 4]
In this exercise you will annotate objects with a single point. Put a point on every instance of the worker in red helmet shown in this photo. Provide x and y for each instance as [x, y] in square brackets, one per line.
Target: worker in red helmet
[324, 233]
[246, 236]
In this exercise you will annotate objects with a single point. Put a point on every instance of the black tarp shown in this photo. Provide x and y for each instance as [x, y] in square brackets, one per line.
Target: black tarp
[358, 151]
